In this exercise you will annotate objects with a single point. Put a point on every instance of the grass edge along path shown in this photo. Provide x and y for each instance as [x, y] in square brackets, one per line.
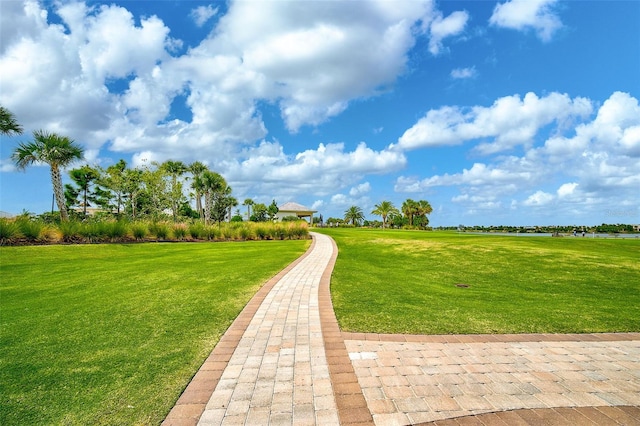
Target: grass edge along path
[112, 334]
[416, 282]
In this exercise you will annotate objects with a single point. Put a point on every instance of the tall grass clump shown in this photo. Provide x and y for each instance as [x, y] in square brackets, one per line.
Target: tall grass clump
[160, 230]
[69, 231]
[139, 231]
[180, 231]
[9, 232]
[197, 231]
[32, 230]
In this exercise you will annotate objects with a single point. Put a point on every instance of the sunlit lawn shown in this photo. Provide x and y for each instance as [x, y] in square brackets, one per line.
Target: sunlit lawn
[408, 282]
[111, 334]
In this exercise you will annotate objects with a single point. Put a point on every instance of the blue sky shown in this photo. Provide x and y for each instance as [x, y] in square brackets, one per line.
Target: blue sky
[520, 112]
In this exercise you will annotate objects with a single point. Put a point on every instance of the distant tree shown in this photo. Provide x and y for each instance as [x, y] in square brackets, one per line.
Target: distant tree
[248, 202]
[213, 184]
[84, 179]
[259, 212]
[354, 215]
[197, 169]
[422, 211]
[8, 123]
[273, 210]
[112, 182]
[410, 209]
[175, 169]
[384, 209]
[58, 152]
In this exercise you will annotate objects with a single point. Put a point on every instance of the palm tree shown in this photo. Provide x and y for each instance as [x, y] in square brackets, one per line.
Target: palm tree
[8, 123]
[248, 202]
[424, 208]
[410, 209]
[354, 215]
[384, 209]
[175, 169]
[212, 183]
[57, 151]
[197, 169]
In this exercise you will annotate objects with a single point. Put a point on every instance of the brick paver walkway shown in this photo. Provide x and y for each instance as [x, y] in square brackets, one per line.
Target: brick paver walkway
[285, 361]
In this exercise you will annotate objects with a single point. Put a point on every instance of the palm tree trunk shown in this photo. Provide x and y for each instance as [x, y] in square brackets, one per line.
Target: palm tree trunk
[208, 204]
[58, 191]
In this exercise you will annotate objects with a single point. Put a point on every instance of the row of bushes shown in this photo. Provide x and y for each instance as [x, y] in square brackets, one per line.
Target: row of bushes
[29, 231]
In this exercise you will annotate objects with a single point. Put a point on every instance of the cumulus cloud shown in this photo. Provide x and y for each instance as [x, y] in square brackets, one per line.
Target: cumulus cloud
[442, 28]
[509, 122]
[320, 172]
[521, 15]
[539, 198]
[597, 159]
[463, 73]
[202, 14]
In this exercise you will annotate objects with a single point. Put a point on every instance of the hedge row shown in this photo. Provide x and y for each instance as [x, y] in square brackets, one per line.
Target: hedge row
[29, 231]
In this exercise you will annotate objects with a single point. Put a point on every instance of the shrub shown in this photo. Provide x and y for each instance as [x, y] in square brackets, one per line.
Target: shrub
[69, 231]
[160, 230]
[139, 231]
[30, 229]
[179, 231]
[196, 231]
[116, 230]
[247, 233]
[211, 232]
[9, 232]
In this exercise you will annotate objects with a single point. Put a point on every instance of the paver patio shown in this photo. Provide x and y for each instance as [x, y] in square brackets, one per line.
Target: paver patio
[285, 361]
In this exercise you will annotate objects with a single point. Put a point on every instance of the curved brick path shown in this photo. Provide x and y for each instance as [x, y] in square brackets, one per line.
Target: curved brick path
[285, 361]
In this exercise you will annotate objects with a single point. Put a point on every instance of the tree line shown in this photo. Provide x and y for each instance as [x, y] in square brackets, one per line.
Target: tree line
[412, 214]
[147, 191]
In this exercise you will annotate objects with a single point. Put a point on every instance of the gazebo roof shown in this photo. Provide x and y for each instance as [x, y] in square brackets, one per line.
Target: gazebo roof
[295, 207]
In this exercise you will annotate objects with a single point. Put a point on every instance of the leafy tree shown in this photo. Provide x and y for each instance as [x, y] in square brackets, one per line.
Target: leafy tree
[354, 215]
[112, 182]
[57, 151]
[155, 188]
[175, 169]
[84, 179]
[384, 209]
[273, 210]
[259, 213]
[8, 123]
[132, 185]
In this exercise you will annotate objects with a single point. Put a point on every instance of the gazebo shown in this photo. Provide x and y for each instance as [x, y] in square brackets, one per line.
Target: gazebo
[295, 209]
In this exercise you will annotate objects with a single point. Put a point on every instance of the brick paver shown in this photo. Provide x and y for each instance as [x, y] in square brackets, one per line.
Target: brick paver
[285, 361]
[459, 379]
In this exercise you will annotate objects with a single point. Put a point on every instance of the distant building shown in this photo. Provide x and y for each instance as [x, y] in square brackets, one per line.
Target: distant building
[295, 209]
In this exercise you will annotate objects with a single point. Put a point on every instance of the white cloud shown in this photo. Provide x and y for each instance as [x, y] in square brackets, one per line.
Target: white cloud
[567, 190]
[202, 14]
[540, 198]
[463, 73]
[360, 190]
[509, 122]
[322, 171]
[528, 14]
[442, 28]
[598, 160]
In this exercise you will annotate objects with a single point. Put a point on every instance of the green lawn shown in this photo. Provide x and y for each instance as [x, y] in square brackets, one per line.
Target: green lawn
[406, 282]
[111, 334]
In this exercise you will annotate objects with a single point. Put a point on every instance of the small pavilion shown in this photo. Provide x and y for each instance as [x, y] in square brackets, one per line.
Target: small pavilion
[295, 209]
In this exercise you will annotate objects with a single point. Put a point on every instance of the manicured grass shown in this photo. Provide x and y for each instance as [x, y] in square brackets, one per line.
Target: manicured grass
[111, 334]
[405, 282]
